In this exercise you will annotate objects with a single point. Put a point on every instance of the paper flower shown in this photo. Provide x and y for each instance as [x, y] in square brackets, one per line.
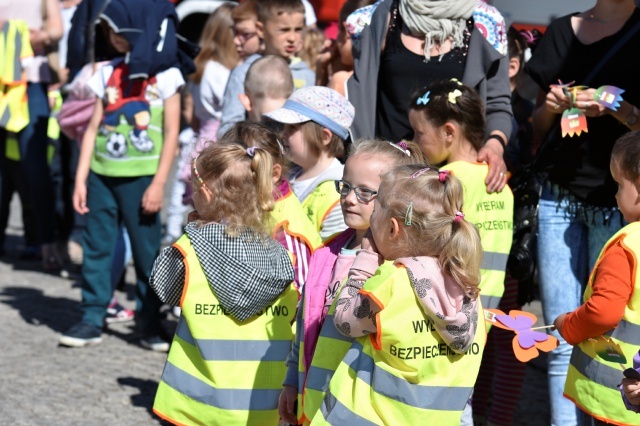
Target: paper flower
[526, 342]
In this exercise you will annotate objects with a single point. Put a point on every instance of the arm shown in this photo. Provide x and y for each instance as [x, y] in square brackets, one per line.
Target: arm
[585, 102]
[51, 31]
[612, 289]
[232, 109]
[630, 390]
[152, 198]
[84, 161]
[355, 312]
[168, 276]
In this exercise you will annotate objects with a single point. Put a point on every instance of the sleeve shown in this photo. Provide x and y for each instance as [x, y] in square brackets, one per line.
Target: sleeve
[498, 103]
[545, 63]
[355, 312]
[169, 82]
[333, 223]
[168, 276]
[300, 250]
[612, 289]
[292, 360]
[232, 109]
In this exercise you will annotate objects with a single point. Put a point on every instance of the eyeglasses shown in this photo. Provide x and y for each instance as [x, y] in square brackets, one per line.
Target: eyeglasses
[364, 195]
[243, 37]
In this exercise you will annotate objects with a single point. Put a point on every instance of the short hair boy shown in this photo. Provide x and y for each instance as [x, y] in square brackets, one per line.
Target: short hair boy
[267, 86]
[279, 26]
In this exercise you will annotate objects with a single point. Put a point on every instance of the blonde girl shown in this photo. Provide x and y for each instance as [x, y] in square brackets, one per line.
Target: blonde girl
[233, 284]
[411, 302]
[314, 356]
[317, 121]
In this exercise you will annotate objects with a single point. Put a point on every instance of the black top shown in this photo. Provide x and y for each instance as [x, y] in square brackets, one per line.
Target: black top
[403, 73]
[580, 164]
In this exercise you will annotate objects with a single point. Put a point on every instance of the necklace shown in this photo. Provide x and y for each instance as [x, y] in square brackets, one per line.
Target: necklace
[591, 17]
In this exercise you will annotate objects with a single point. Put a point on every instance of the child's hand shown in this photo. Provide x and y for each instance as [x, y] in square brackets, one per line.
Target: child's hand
[557, 324]
[631, 389]
[286, 403]
[368, 243]
[152, 198]
[80, 198]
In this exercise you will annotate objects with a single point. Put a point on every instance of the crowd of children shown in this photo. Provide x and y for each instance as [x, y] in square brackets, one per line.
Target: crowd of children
[320, 279]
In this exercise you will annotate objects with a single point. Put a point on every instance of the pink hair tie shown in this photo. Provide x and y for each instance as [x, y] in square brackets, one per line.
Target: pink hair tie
[420, 172]
[442, 175]
[459, 217]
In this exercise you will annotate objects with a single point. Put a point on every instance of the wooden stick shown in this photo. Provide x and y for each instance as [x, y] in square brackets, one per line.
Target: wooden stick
[541, 327]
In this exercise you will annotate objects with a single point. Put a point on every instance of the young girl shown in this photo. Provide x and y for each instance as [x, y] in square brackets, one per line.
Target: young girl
[417, 321]
[125, 158]
[287, 223]
[317, 121]
[233, 284]
[316, 353]
[448, 121]
[611, 302]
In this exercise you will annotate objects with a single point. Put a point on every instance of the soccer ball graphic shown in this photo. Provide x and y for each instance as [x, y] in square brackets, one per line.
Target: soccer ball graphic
[117, 145]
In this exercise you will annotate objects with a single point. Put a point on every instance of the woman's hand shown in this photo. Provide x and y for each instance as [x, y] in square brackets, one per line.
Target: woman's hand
[557, 324]
[491, 153]
[585, 101]
[152, 199]
[286, 403]
[556, 101]
[631, 389]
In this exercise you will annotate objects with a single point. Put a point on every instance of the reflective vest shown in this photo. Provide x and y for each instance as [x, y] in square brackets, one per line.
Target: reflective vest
[404, 374]
[221, 371]
[14, 49]
[592, 383]
[319, 203]
[493, 216]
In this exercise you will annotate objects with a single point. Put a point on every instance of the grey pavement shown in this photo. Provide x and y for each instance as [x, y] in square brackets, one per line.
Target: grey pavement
[113, 383]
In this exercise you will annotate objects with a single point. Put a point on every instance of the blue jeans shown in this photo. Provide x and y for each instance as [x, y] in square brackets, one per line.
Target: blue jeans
[569, 241]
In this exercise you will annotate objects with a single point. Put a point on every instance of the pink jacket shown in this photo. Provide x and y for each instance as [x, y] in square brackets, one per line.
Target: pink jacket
[320, 268]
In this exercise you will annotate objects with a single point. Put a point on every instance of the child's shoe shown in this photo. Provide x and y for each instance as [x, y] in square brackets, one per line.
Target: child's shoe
[155, 343]
[118, 313]
[82, 334]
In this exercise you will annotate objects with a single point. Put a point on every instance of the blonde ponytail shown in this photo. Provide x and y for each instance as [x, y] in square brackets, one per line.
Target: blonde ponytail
[262, 170]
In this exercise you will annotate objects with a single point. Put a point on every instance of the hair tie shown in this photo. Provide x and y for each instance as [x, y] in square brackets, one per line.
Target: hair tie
[408, 216]
[251, 151]
[420, 172]
[459, 216]
[280, 146]
[442, 175]
[424, 99]
[455, 80]
[453, 96]
[529, 36]
[402, 147]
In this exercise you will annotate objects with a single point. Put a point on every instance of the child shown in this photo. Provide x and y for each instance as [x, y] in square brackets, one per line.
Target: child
[312, 42]
[316, 349]
[448, 121]
[317, 121]
[234, 286]
[125, 158]
[279, 25]
[418, 323]
[611, 301]
[245, 36]
[287, 222]
[267, 86]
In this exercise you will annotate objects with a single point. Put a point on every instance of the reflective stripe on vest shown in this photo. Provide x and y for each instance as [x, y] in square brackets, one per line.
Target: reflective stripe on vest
[413, 376]
[592, 383]
[220, 370]
[14, 48]
[492, 214]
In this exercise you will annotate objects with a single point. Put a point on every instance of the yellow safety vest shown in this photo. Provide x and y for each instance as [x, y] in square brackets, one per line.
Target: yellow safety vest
[14, 48]
[319, 203]
[592, 383]
[493, 216]
[330, 349]
[404, 374]
[288, 214]
[221, 371]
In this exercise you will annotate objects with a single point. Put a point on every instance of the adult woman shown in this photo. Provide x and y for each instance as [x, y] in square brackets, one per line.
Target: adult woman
[32, 140]
[578, 210]
[409, 44]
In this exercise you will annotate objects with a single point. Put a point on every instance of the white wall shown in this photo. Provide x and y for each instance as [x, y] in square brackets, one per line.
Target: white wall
[539, 12]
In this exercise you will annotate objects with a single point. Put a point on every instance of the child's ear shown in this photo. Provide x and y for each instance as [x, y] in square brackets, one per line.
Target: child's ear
[450, 131]
[245, 101]
[514, 67]
[277, 173]
[326, 136]
[260, 30]
[394, 229]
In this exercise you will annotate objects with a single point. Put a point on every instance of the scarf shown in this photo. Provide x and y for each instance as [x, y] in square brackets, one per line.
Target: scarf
[437, 20]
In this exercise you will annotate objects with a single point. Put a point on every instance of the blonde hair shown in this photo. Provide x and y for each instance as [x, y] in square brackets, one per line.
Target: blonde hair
[240, 186]
[312, 41]
[396, 153]
[216, 41]
[435, 199]
[313, 134]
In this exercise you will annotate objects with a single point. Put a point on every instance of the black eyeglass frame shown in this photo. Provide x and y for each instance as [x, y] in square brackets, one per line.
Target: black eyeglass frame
[342, 186]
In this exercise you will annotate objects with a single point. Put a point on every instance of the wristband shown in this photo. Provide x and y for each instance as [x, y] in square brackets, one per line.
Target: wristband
[499, 139]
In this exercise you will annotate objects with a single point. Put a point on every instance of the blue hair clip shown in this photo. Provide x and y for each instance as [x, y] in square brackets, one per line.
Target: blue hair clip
[424, 99]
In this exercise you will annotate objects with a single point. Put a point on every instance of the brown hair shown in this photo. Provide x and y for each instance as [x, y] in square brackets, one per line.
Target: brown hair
[626, 155]
[313, 135]
[269, 78]
[394, 152]
[312, 41]
[240, 186]
[434, 230]
[217, 41]
[467, 111]
[247, 9]
[270, 8]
